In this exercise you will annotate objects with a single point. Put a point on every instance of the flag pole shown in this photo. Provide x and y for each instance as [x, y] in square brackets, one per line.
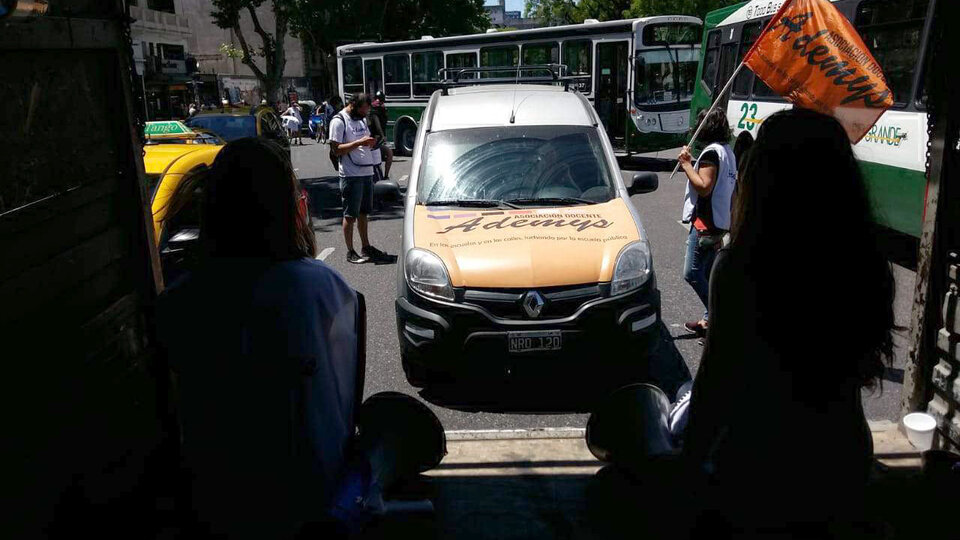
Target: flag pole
[713, 106]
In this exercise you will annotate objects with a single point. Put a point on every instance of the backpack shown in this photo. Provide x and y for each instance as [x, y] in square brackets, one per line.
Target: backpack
[334, 158]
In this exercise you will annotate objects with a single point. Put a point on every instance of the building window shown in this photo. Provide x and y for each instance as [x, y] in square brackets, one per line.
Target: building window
[352, 76]
[577, 55]
[171, 52]
[426, 66]
[396, 70]
[161, 5]
[506, 56]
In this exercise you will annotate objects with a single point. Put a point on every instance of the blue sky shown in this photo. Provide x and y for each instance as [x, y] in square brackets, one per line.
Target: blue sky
[512, 5]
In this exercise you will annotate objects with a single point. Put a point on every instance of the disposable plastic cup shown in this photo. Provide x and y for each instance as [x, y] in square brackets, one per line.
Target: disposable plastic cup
[920, 428]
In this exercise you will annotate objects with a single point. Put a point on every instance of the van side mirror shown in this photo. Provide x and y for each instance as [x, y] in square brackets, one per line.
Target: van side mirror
[644, 182]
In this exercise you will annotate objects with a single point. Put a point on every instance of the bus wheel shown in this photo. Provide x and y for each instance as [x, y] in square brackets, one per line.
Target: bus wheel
[742, 146]
[406, 138]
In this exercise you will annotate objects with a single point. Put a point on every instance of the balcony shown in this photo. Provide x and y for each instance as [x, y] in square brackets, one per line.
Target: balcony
[159, 20]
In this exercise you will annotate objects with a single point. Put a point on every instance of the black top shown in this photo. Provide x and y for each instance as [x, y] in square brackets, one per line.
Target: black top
[704, 209]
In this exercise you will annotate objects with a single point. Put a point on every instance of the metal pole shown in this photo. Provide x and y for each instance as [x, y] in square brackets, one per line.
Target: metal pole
[713, 106]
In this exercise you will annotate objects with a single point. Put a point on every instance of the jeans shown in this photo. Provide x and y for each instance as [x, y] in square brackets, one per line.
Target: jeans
[697, 266]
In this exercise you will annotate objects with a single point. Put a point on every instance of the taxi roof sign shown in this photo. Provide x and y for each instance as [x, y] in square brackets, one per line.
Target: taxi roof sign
[169, 127]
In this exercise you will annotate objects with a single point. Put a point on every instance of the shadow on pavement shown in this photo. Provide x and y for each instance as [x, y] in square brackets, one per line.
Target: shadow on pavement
[326, 205]
[574, 389]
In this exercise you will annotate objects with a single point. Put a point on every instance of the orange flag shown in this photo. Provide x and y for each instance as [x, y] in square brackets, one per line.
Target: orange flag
[810, 54]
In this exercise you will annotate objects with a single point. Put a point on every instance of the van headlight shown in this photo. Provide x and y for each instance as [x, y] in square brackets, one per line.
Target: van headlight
[427, 275]
[632, 269]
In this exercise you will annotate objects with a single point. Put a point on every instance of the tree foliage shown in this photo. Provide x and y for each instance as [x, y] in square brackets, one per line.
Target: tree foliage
[557, 12]
[696, 8]
[324, 25]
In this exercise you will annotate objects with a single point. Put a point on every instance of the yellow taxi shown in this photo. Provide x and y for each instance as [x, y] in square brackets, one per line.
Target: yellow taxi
[166, 165]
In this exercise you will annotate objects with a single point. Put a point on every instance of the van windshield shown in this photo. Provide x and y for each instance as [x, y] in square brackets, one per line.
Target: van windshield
[515, 165]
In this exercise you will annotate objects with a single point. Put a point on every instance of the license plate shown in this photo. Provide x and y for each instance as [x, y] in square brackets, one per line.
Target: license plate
[521, 342]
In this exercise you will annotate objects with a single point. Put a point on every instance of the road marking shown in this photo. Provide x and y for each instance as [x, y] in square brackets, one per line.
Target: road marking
[325, 253]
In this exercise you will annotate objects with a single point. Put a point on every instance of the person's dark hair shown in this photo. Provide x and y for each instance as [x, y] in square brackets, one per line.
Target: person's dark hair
[805, 236]
[359, 100]
[716, 129]
[251, 204]
[336, 101]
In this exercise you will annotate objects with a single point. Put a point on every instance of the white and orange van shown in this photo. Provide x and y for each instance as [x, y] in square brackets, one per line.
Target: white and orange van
[521, 248]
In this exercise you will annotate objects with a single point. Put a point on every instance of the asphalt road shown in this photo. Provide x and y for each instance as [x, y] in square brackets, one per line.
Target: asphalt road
[660, 213]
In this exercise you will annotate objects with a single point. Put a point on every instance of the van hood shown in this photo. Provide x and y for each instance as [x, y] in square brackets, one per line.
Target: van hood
[536, 247]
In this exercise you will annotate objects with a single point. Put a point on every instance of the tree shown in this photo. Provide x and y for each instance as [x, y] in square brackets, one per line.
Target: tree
[697, 8]
[553, 12]
[228, 13]
[326, 25]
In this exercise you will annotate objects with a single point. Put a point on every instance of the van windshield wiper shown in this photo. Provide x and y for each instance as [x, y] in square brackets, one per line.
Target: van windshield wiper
[470, 203]
[550, 200]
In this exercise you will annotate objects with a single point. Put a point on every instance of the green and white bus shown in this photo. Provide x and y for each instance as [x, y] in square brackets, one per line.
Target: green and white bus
[893, 154]
[639, 74]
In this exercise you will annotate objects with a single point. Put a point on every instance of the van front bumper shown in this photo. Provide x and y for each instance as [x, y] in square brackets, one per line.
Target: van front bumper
[466, 341]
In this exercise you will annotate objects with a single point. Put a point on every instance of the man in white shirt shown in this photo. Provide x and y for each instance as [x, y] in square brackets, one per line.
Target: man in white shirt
[351, 142]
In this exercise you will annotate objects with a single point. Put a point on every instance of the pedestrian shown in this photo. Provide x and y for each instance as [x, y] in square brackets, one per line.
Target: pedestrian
[332, 107]
[711, 181]
[351, 143]
[791, 346]
[192, 111]
[292, 120]
[378, 111]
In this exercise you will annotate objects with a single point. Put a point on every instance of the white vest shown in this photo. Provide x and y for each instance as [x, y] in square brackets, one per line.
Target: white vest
[722, 195]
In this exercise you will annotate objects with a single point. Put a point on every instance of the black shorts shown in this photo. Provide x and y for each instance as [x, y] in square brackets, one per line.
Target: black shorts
[357, 195]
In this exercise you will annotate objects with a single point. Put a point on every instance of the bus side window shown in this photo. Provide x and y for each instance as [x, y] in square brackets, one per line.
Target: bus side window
[893, 31]
[578, 57]
[711, 61]
[396, 68]
[352, 76]
[461, 60]
[507, 55]
[538, 54]
[426, 67]
[744, 82]
[373, 75]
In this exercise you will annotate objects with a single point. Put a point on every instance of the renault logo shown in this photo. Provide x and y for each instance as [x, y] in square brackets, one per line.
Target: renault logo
[532, 304]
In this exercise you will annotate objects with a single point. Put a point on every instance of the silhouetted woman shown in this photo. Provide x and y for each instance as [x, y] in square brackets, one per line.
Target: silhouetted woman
[263, 340]
[801, 310]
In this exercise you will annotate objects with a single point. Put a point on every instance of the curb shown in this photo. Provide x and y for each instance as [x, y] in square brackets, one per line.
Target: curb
[515, 434]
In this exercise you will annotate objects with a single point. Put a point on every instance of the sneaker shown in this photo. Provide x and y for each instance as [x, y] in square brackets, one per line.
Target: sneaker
[353, 257]
[373, 253]
[697, 327]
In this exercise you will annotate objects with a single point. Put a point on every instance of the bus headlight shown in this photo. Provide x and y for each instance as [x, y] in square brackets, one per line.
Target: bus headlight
[427, 275]
[632, 269]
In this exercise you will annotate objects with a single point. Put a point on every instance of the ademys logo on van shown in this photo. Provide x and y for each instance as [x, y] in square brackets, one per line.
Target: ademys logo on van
[527, 248]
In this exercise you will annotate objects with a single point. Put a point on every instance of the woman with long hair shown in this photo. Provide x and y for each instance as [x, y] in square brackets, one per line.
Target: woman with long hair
[711, 181]
[263, 340]
[801, 306]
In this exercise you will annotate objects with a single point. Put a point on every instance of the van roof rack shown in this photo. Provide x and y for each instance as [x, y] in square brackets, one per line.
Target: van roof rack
[547, 74]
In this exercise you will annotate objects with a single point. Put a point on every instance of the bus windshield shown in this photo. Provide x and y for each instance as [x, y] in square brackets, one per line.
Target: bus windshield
[665, 75]
[515, 164]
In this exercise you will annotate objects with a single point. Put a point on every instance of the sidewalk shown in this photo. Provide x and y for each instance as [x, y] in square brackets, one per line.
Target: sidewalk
[535, 483]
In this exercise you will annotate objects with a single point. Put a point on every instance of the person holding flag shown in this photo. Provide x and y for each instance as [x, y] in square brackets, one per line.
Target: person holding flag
[711, 181]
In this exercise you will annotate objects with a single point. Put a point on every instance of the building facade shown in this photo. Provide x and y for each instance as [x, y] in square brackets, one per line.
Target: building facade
[178, 51]
[501, 18]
